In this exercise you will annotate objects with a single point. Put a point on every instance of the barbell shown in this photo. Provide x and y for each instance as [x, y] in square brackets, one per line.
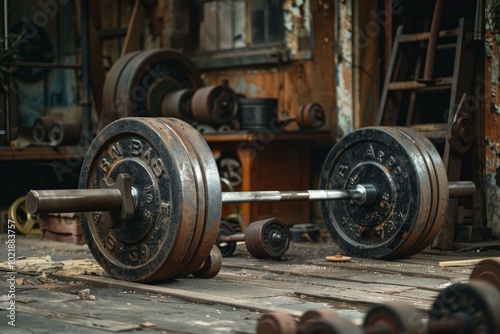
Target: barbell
[151, 199]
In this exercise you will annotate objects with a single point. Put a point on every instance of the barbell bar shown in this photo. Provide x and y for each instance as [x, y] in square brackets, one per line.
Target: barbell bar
[151, 199]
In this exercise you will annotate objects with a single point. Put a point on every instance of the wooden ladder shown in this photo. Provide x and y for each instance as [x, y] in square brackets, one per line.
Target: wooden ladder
[418, 98]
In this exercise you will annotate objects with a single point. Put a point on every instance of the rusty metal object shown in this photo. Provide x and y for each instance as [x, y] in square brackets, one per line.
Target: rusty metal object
[268, 238]
[276, 323]
[397, 170]
[311, 315]
[215, 104]
[64, 132]
[211, 266]
[41, 128]
[138, 81]
[311, 116]
[440, 188]
[25, 222]
[393, 319]
[328, 325]
[208, 187]
[488, 270]
[178, 104]
[462, 135]
[466, 308]
[150, 246]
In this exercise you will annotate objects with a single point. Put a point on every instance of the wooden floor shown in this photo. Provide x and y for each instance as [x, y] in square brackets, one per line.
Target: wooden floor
[50, 274]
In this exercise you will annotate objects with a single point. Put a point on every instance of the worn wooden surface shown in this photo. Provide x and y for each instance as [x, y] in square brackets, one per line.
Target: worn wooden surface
[232, 302]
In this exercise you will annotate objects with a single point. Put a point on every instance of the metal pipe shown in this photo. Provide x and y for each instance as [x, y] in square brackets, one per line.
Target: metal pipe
[461, 188]
[431, 45]
[74, 200]
[85, 46]
[232, 238]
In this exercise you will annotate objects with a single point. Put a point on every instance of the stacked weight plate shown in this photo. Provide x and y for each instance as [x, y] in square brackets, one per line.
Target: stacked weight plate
[412, 191]
[175, 224]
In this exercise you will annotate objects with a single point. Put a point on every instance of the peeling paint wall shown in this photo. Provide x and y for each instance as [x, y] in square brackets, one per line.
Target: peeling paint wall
[344, 70]
[492, 126]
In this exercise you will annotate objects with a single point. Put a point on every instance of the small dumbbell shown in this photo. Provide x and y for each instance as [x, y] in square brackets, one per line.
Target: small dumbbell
[268, 238]
[309, 116]
[487, 270]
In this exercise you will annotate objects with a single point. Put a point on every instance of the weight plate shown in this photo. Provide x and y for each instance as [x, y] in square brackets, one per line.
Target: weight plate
[475, 304]
[315, 314]
[311, 116]
[276, 322]
[487, 270]
[178, 104]
[211, 266]
[110, 103]
[395, 167]
[394, 319]
[213, 193]
[25, 222]
[147, 70]
[226, 248]
[214, 104]
[440, 191]
[187, 266]
[152, 244]
[268, 238]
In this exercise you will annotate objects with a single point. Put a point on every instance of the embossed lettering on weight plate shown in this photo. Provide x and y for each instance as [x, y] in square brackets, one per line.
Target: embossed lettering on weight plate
[156, 164]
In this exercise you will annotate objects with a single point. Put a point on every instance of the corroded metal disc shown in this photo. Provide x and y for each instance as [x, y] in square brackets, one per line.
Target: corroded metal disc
[178, 104]
[393, 222]
[211, 266]
[268, 238]
[226, 248]
[210, 200]
[276, 322]
[394, 319]
[440, 189]
[138, 80]
[323, 325]
[487, 270]
[151, 245]
[214, 104]
[475, 304]
[311, 116]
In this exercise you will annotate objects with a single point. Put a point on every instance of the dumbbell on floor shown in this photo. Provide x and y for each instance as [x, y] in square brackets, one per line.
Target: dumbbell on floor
[268, 238]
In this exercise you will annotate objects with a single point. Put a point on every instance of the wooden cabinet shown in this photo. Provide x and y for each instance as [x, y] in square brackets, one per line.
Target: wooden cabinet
[270, 161]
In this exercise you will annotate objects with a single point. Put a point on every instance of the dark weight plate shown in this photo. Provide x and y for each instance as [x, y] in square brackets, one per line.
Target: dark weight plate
[162, 69]
[268, 238]
[475, 304]
[151, 245]
[195, 143]
[324, 325]
[488, 270]
[392, 223]
[440, 191]
[226, 248]
[394, 319]
[187, 265]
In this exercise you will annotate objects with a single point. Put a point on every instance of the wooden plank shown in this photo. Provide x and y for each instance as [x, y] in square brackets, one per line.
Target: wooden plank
[460, 263]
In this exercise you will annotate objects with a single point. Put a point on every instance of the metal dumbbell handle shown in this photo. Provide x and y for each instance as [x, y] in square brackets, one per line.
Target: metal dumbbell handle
[89, 200]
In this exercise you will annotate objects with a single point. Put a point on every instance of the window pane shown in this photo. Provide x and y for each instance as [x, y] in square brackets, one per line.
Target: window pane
[258, 28]
[275, 21]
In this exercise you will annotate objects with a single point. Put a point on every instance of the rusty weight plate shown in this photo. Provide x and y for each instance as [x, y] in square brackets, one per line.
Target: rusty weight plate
[390, 225]
[440, 192]
[394, 319]
[311, 116]
[211, 203]
[268, 238]
[323, 325]
[276, 323]
[178, 104]
[110, 103]
[215, 104]
[150, 246]
[156, 69]
[211, 266]
[487, 270]
[475, 304]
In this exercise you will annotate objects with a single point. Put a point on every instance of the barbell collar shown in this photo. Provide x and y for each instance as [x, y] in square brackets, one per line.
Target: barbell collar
[461, 188]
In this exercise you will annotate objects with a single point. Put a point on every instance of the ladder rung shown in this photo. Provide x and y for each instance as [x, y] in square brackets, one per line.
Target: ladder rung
[441, 84]
[432, 130]
[448, 46]
[407, 38]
